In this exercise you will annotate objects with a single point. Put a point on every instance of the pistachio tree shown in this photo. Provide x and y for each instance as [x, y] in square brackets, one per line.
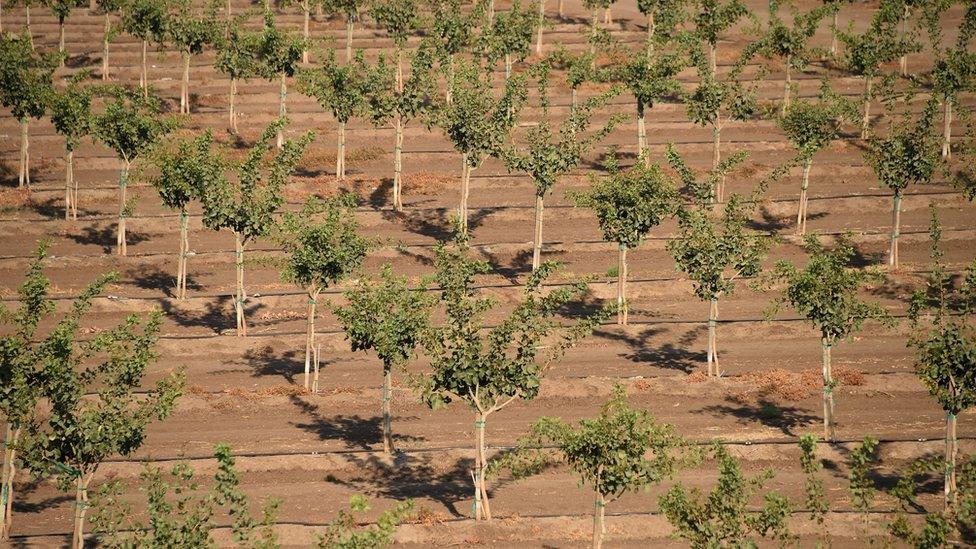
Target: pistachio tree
[944, 339]
[20, 371]
[907, 155]
[713, 246]
[130, 124]
[190, 31]
[663, 16]
[346, 532]
[25, 88]
[628, 204]
[810, 126]
[790, 42]
[712, 19]
[108, 9]
[237, 58]
[340, 90]
[726, 516]
[826, 292]
[183, 171]
[451, 31]
[477, 123]
[620, 450]
[247, 204]
[306, 7]
[94, 411]
[651, 79]
[596, 33]
[509, 36]
[323, 248]
[27, 4]
[61, 10]
[400, 19]
[833, 8]
[71, 116]
[578, 69]
[145, 20]
[389, 96]
[277, 55]
[348, 9]
[549, 153]
[489, 368]
[955, 73]
[391, 319]
[178, 514]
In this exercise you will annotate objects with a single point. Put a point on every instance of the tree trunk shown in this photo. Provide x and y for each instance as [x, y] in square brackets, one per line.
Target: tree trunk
[903, 60]
[81, 510]
[313, 294]
[593, 23]
[788, 85]
[537, 244]
[801, 211]
[482, 510]
[712, 59]
[27, 26]
[599, 514]
[185, 85]
[465, 182]
[387, 421]
[7, 480]
[229, 14]
[712, 353]
[950, 460]
[239, 295]
[542, 21]
[398, 165]
[68, 176]
[448, 97]
[184, 251]
[61, 41]
[508, 66]
[348, 37]
[306, 13]
[143, 71]
[947, 129]
[622, 285]
[282, 109]
[641, 131]
[833, 33]
[717, 159]
[828, 391]
[233, 96]
[651, 28]
[866, 121]
[572, 105]
[559, 9]
[491, 11]
[24, 176]
[123, 186]
[607, 17]
[108, 30]
[895, 226]
[341, 152]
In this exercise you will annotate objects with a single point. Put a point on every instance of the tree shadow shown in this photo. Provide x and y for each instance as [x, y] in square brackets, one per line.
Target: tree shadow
[8, 175]
[775, 224]
[265, 362]
[149, 277]
[437, 224]
[79, 61]
[106, 237]
[785, 418]
[668, 355]
[862, 259]
[54, 207]
[356, 432]
[520, 264]
[217, 315]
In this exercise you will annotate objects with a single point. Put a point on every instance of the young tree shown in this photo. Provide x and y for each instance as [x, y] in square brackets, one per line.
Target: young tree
[712, 19]
[651, 78]
[628, 204]
[452, 32]
[247, 203]
[184, 171]
[509, 36]
[833, 9]
[306, 7]
[324, 247]
[129, 124]
[826, 292]
[955, 73]
[621, 450]
[489, 368]
[477, 123]
[907, 155]
[578, 68]
[663, 16]
[108, 8]
[71, 115]
[816, 497]
[94, 411]
[790, 42]
[348, 9]
[595, 31]
[724, 518]
[20, 371]
[145, 20]
[191, 33]
[391, 319]
[27, 18]
[810, 126]
[549, 153]
[61, 9]
[237, 58]
[179, 516]
[400, 19]
[277, 55]
[342, 532]
[339, 89]
[714, 248]
[945, 346]
[26, 85]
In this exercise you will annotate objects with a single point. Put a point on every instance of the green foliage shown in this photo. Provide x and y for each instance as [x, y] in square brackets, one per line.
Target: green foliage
[399, 18]
[880, 43]
[723, 518]
[61, 9]
[909, 153]
[790, 42]
[186, 169]
[381, 99]
[629, 203]
[178, 514]
[277, 52]
[322, 242]
[714, 17]
[667, 14]
[714, 248]
[826, 291]
[26, 81]
[248, 205]
[816, 497]
[861, 485]
[342, 532]
[189, 32]
[451, 28]
[937, 526]
[510, 33]
[339, 89]
[811, 126]
[715, 101]
[237, 54]
[71, 112]
[578, 67]
[130, 124]
[145, 20]
[651, 78]
[349, 8]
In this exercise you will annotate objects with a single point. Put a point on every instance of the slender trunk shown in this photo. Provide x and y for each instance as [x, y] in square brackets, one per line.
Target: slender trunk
[282, 109]
[593, 23]
[68, 175]
[143, 72]
[348, 37]
[61, 41]
[651, 28]
[828, 392]
[233, 95]
[641, 131]
[866, 121]
[313, 294]
[801, 212]
[508, 66]
[542, 21]
[895, 226]
[788, 85]
[607, 18]
[716, 159]
[622, 309]
[341, 152]
[559, 9]
[27, 26]
[450, 79]
[712, 59]
[81, 510]
[387, 421]
[712, 353]
[903, 60]
[1, 16]
[185, 85]
[123, 187]
[482, 510]
[184, 251]
[465, 182]
[537, 245]
[108, 30]
[491, 11]
[947, 129]
[833, 34]
[7, 480]
[599, 514]
[398, 165]
[306, 13]
[572, 105]
[229, 13]
[24, 176]
[239, 295]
